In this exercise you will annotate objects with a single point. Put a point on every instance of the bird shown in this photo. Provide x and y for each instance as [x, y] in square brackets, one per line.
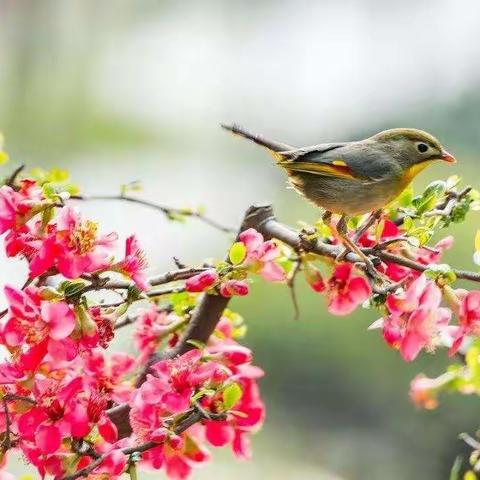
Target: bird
[356, 177]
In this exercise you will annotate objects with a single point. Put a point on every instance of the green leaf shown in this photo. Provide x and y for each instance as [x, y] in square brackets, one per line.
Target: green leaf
[57, 175]
[49, 191]
[442, 272]
[71, 289]
[379, 230]
[408, 223]
[47, 216]
[435, 189]
[204, 392]
[456, 468]
[231, 395]
[405, 198]
[237, 253]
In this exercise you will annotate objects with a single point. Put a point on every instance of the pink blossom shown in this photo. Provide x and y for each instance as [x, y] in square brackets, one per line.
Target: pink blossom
[261, 255]
[416, 319]
[235, 428]
[434, 255]
[314, 278]
[151, 328]
[202, 281]
[232, 288]
[114, 464]
[34, 321]
[73, 247]
[469, 318]
[108, 374]
[345, 290]
[16, 206]
[134, 263]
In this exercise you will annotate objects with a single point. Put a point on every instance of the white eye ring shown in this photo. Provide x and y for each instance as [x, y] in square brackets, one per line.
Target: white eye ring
[422, 147]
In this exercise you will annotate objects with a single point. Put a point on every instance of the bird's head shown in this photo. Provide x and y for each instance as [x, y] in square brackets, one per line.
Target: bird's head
[414, 149]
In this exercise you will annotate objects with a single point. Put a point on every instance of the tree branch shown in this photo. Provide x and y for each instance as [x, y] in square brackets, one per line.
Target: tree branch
[202, 324]
[194, 416]
[269, 227]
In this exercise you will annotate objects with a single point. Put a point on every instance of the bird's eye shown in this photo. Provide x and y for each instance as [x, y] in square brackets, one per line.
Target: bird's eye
[422, 147]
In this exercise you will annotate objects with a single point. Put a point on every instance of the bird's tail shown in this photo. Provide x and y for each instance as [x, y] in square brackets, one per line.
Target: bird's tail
[271, 145]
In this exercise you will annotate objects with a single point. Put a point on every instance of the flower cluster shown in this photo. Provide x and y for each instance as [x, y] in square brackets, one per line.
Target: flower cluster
[219, 383]
[250, 254]
[57, 384]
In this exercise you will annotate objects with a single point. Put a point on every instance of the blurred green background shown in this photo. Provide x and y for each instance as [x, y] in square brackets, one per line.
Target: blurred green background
[123, 90]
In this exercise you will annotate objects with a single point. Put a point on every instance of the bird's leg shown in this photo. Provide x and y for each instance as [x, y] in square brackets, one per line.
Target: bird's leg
[371, 219]
[342, 232]
[366, 224]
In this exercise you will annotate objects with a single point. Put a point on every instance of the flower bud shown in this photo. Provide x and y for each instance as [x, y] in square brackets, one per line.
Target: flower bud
[314, 277]
[202, 281]
[87, 324]
[234, 287]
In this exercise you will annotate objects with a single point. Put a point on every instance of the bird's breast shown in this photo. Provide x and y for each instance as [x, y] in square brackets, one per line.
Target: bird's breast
[344, 196]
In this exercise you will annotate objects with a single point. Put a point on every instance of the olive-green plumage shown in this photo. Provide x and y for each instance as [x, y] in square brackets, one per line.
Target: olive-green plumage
[357, 177]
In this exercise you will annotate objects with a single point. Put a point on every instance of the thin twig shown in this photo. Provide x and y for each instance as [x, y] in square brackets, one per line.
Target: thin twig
[373, 217]
[190, 419]
[445, 209]
[293, 291]
[7, 442]
[160, 279]
[14, 175]
[150, 294]
[169, 212]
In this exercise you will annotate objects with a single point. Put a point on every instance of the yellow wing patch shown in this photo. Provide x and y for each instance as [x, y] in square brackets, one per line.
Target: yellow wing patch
[276, 155]
[327, 169]
[339, 163]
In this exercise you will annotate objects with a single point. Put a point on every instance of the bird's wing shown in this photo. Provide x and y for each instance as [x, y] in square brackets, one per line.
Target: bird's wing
[327, 159]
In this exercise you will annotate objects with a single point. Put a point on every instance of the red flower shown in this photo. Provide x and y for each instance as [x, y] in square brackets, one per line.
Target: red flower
[232, 288]
[346, 291]
[34, 322]
[416, 319]
[72, 246]
[134, 263]
[202, 281]
[16, 206]
[469, 318]
[261, 255]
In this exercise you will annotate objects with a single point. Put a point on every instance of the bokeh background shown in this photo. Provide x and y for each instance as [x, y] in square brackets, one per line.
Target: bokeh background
[123, 90]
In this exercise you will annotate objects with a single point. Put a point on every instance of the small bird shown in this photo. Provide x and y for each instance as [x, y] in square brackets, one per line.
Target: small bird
[352, 178]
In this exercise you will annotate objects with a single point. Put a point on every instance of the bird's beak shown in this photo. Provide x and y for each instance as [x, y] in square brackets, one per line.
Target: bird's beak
[448, 157]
